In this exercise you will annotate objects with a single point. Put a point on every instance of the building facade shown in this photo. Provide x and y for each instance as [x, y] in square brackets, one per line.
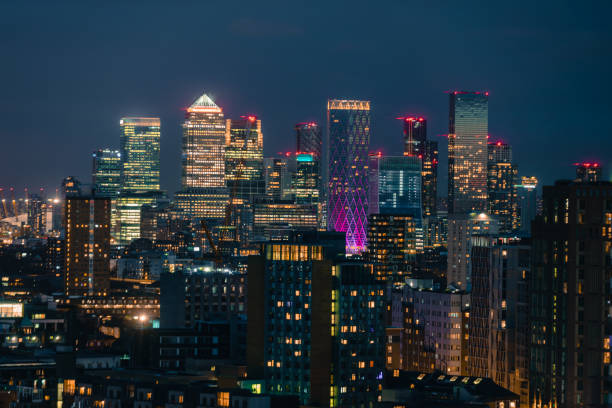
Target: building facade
[392, 246]
[315, 333]
[140, 149]
[106, 172]
[502, 177]
[349, 138]
[570, 294]
[467, 151]
[87, 252]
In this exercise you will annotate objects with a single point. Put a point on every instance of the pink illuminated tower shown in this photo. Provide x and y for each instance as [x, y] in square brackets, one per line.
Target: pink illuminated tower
[348, 126]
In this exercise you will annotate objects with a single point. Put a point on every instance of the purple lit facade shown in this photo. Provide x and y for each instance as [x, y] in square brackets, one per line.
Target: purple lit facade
[348, 124]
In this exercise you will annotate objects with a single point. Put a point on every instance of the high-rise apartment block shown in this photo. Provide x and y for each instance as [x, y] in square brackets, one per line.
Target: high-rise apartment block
[498, 323]
[467, 152]
[87, 251]
[314, 324]
[348, 124]
[527, 204]
[392, 246]
[570, 296]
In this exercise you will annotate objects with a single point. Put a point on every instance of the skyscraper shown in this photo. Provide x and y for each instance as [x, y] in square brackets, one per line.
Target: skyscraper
[203, 193]
[570, 296]
[140, 141]
[140, 152]
[244, 169]
[106, 172]
[348, 124]
[87, 260]
[417, 145]
[502, 176]
[308, 137]
[467, 152]
[203, 145]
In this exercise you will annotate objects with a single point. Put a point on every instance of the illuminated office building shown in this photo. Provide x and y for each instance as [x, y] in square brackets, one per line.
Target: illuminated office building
[140, 142]
[87, 252]
[392, 246]
[527, 199]
[270, 214]
[467, 152]
[318, 334]
[501, 180]
[244, 164]
[203, 192]
[305, 181]
[348, 124]
[203, 145]
[570, 297]
[588, 172]
[277, 175]
[106, 172]
[128, 209]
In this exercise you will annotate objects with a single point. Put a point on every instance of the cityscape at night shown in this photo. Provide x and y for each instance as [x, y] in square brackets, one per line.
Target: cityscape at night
[278, 205]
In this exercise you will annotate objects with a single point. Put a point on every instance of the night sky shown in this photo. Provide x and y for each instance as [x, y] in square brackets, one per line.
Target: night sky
[70, 70]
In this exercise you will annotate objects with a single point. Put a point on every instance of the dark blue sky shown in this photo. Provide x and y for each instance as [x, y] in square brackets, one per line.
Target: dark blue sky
[70, 70]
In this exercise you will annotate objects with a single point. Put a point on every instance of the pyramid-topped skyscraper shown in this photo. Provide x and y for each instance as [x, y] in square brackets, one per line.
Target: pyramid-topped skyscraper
[203, 160]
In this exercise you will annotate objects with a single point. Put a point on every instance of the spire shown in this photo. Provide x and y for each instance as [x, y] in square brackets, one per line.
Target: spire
[204, 104]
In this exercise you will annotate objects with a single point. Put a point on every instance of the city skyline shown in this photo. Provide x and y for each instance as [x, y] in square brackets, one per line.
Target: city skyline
[564, 78]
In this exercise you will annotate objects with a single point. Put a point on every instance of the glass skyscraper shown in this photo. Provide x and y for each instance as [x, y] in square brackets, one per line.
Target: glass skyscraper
[467, 151]
[244, 168]
[140, 141]
[106, 172]
[416, 144]
[140, 152]
[348, 124]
